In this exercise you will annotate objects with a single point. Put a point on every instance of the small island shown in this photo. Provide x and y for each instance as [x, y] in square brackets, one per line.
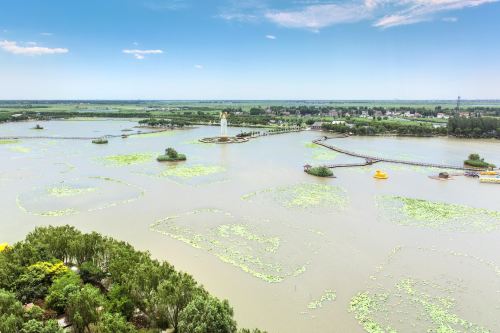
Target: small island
[171, 155]
[38, 127]
[100, 141]
[319, 171]
[477, 162]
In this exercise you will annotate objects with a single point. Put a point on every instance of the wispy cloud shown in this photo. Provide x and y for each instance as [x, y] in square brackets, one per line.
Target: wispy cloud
[46, 33]
[450, 19]
[140, 54]
[166, 4]
[198, 66]
[271, 37]
[315, 15]
[415, 11]
[30, 50]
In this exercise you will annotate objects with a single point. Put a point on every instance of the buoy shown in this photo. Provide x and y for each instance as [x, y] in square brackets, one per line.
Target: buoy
[380, 175]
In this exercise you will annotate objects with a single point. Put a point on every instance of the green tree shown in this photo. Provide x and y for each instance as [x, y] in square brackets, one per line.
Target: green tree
[35, 326]
[61, 289]
[84, 307]
[11, 312]
[119, 301]
[171, 297]
[206, 314]
[113, 323]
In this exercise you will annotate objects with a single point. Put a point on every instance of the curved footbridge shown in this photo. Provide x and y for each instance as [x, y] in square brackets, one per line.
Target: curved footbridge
[372, 159]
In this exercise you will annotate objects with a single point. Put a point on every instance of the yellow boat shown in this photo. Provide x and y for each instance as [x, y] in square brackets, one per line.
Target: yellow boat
[489, 173]
[380, 175]
[491, 180]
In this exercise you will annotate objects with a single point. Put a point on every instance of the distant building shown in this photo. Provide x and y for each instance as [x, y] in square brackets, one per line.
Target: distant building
[317, 126]
[338, 122]
[333, 113]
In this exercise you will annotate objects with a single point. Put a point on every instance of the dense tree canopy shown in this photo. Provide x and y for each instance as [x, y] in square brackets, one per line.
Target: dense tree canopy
[100, 285]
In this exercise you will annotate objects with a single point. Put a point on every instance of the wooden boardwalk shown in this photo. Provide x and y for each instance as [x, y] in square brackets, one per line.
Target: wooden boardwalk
[373, 159]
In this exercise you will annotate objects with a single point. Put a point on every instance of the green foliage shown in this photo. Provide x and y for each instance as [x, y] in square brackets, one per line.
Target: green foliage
[113, 323]
[61, 289]
[207, 315]
[476, 161]
[35, 326]
[171, 155]
[83, 308]
[33, 269]
[474, 127]
[320, 171]
[119, 301]
[11, 312]
[34, 282]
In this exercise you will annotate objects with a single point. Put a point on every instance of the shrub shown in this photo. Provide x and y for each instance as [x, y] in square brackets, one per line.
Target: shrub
[320, 171]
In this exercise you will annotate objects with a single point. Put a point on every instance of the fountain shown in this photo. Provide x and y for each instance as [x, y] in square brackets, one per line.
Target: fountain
[224, 138]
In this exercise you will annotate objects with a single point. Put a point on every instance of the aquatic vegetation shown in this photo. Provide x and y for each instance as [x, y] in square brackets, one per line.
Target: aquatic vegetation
[66, 199]
[127, 159]
[20, 149]
[8, 142]
[328, 296]
[311, 145]
[433, 304]
[324, 155]
[238, 242]
[191, 171]
[305, 195]
[437, 215]
[68, 191]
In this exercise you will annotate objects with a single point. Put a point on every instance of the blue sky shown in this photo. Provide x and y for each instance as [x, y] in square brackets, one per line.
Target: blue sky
[249, 49]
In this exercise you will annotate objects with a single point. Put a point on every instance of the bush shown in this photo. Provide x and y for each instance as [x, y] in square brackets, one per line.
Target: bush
[59, 292]
[320, 171]
[476, 161]
[171, 155]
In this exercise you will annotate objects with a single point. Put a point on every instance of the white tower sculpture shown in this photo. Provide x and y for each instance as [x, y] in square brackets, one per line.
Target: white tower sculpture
[223, 124]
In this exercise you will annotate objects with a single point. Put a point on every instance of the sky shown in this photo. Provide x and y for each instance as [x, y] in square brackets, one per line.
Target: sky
[250, 49]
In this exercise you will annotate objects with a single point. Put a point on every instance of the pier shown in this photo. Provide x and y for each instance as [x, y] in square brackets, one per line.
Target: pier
[372, 159]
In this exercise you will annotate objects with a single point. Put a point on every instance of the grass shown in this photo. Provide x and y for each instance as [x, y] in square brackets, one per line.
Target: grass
[166, 158]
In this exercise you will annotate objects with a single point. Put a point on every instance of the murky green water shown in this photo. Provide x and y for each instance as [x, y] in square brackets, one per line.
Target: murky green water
[291, 252]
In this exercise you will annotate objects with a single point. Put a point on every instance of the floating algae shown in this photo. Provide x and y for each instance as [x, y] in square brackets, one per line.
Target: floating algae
[437, 215]
[191, 171]
[127, 159]
[324, 155]
[20, 149]
[71, 198]
[328, 296]
[304, 195]
[8, 142]
[239, 242]
[68, 191]
[428, 301]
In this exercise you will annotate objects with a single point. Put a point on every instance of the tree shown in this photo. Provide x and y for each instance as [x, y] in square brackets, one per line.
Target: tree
[61, 289]
[36, 279]
[206, 314]
[113, 323]
[83, 308]
[171, 297]
[11, 312]
[119, 301]
[171, 152]
[474, 157]
[35, 326]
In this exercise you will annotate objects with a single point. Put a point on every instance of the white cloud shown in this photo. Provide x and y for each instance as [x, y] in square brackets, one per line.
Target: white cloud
[450, 19]
[315, 17]
[386, 13]
[198, 66]
[270, 37]
[46, 33]
[140, 54]
[31, 50]
[425, 10]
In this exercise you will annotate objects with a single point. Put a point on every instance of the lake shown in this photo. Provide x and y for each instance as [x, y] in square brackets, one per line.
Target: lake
[291, 252]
